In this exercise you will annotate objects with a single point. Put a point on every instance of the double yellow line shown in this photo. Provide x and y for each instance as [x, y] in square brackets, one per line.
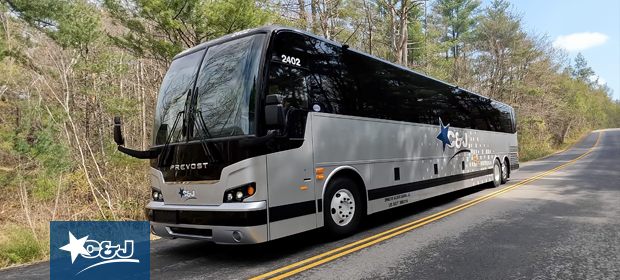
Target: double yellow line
[361, 244]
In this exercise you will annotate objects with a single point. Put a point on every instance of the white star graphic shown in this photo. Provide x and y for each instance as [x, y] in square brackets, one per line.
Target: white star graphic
[75, 246]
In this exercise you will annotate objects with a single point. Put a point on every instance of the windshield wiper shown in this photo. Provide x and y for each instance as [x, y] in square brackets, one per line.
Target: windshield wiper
[164, 152]
[207, 146]
[197, 119]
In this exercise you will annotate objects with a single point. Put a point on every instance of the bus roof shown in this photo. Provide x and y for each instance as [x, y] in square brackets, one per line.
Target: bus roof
[273, 28]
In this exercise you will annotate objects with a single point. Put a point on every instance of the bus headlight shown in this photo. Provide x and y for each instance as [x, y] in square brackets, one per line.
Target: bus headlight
[156, 194]
[238, 194]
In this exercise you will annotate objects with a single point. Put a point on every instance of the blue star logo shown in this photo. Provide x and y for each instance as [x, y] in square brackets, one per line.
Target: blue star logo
[181, 192]
[443, 135]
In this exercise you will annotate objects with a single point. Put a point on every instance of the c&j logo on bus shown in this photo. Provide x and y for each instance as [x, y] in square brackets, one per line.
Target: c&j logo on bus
[187, 194]
[452, 139]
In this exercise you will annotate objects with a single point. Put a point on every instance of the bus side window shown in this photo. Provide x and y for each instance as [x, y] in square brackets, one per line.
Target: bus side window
[458, 108]
[290, 84]
[331, 86]
[366, 73]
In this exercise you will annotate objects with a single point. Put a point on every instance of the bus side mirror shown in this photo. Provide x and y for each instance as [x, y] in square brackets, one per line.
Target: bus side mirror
[118, 136]
[274, 114]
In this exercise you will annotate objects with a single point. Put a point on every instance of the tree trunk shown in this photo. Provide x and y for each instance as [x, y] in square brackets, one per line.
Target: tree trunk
[144, 140]
[370, 24]
[315, 15]
[404, 36]
[325, 20]
[303, 16]
[565, 133]
[393, 28]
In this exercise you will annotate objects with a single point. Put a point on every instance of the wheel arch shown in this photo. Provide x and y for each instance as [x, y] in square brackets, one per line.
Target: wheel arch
[497, 158]
[352, 173]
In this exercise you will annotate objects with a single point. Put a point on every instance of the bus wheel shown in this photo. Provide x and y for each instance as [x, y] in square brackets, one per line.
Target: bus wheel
[497, 174]
[343, 208]
[505, 172]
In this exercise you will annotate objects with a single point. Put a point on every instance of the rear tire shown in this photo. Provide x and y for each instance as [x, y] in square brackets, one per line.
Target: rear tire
[342, 210]
[505, 172]
[497, 174]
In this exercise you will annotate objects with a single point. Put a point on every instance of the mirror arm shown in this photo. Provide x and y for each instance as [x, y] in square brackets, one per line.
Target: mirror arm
[118, 138]
[140, 154]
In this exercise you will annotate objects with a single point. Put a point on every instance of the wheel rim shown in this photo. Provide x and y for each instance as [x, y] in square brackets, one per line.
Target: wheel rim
[342, 207]
[496, 172]
[504, 171]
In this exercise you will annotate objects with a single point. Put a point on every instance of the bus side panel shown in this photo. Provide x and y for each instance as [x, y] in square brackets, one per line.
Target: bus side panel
[412, 148]
[290, 179]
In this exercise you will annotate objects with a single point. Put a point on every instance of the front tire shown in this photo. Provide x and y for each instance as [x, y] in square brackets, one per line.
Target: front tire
[342, 210]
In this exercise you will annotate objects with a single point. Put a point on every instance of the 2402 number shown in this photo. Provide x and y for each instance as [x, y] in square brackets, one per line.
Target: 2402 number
[291, 60]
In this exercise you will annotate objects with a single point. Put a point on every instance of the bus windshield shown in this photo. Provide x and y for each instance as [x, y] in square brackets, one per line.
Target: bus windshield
[226, 88]
[172, 97]
[225, 83]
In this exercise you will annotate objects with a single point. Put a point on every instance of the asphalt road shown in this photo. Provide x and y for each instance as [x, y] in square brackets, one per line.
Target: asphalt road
[564, 225]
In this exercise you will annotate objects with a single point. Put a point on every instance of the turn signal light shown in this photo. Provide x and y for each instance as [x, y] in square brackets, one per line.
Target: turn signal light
[319, 170]
[320, 177]
[476, 159]
[517, 155]
[250, 190]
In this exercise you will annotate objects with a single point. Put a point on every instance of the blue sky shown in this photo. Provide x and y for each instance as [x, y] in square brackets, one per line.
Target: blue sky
[591, 27]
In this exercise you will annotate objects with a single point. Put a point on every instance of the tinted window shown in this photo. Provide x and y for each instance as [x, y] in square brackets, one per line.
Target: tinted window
[350, 83]
[226, 87]
[327, 77]
[288, 45]
[376, 97]
[173, 96]
[289, 83]
[481, 113]
[459, 109]
[505, 118]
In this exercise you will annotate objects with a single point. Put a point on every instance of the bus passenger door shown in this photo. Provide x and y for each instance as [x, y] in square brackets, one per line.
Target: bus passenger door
[290, 179]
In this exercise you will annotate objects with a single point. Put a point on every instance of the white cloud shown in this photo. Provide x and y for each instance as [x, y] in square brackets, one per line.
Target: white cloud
[601, 81]
[581, 41]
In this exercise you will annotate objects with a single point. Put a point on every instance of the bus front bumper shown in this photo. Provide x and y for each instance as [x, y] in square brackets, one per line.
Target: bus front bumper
[228, 223]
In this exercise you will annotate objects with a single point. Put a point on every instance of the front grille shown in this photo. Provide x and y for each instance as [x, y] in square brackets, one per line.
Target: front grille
[241, 219]
[211, 218]
[192, 231]
[168, 217]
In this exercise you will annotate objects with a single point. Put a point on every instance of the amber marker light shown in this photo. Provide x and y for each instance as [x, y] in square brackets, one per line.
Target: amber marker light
[319, 170]
[320, 176]
[476, 159]
[250, 190]
[304, 188]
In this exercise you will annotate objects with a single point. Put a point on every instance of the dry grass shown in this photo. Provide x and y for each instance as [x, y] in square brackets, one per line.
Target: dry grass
[25, 214]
